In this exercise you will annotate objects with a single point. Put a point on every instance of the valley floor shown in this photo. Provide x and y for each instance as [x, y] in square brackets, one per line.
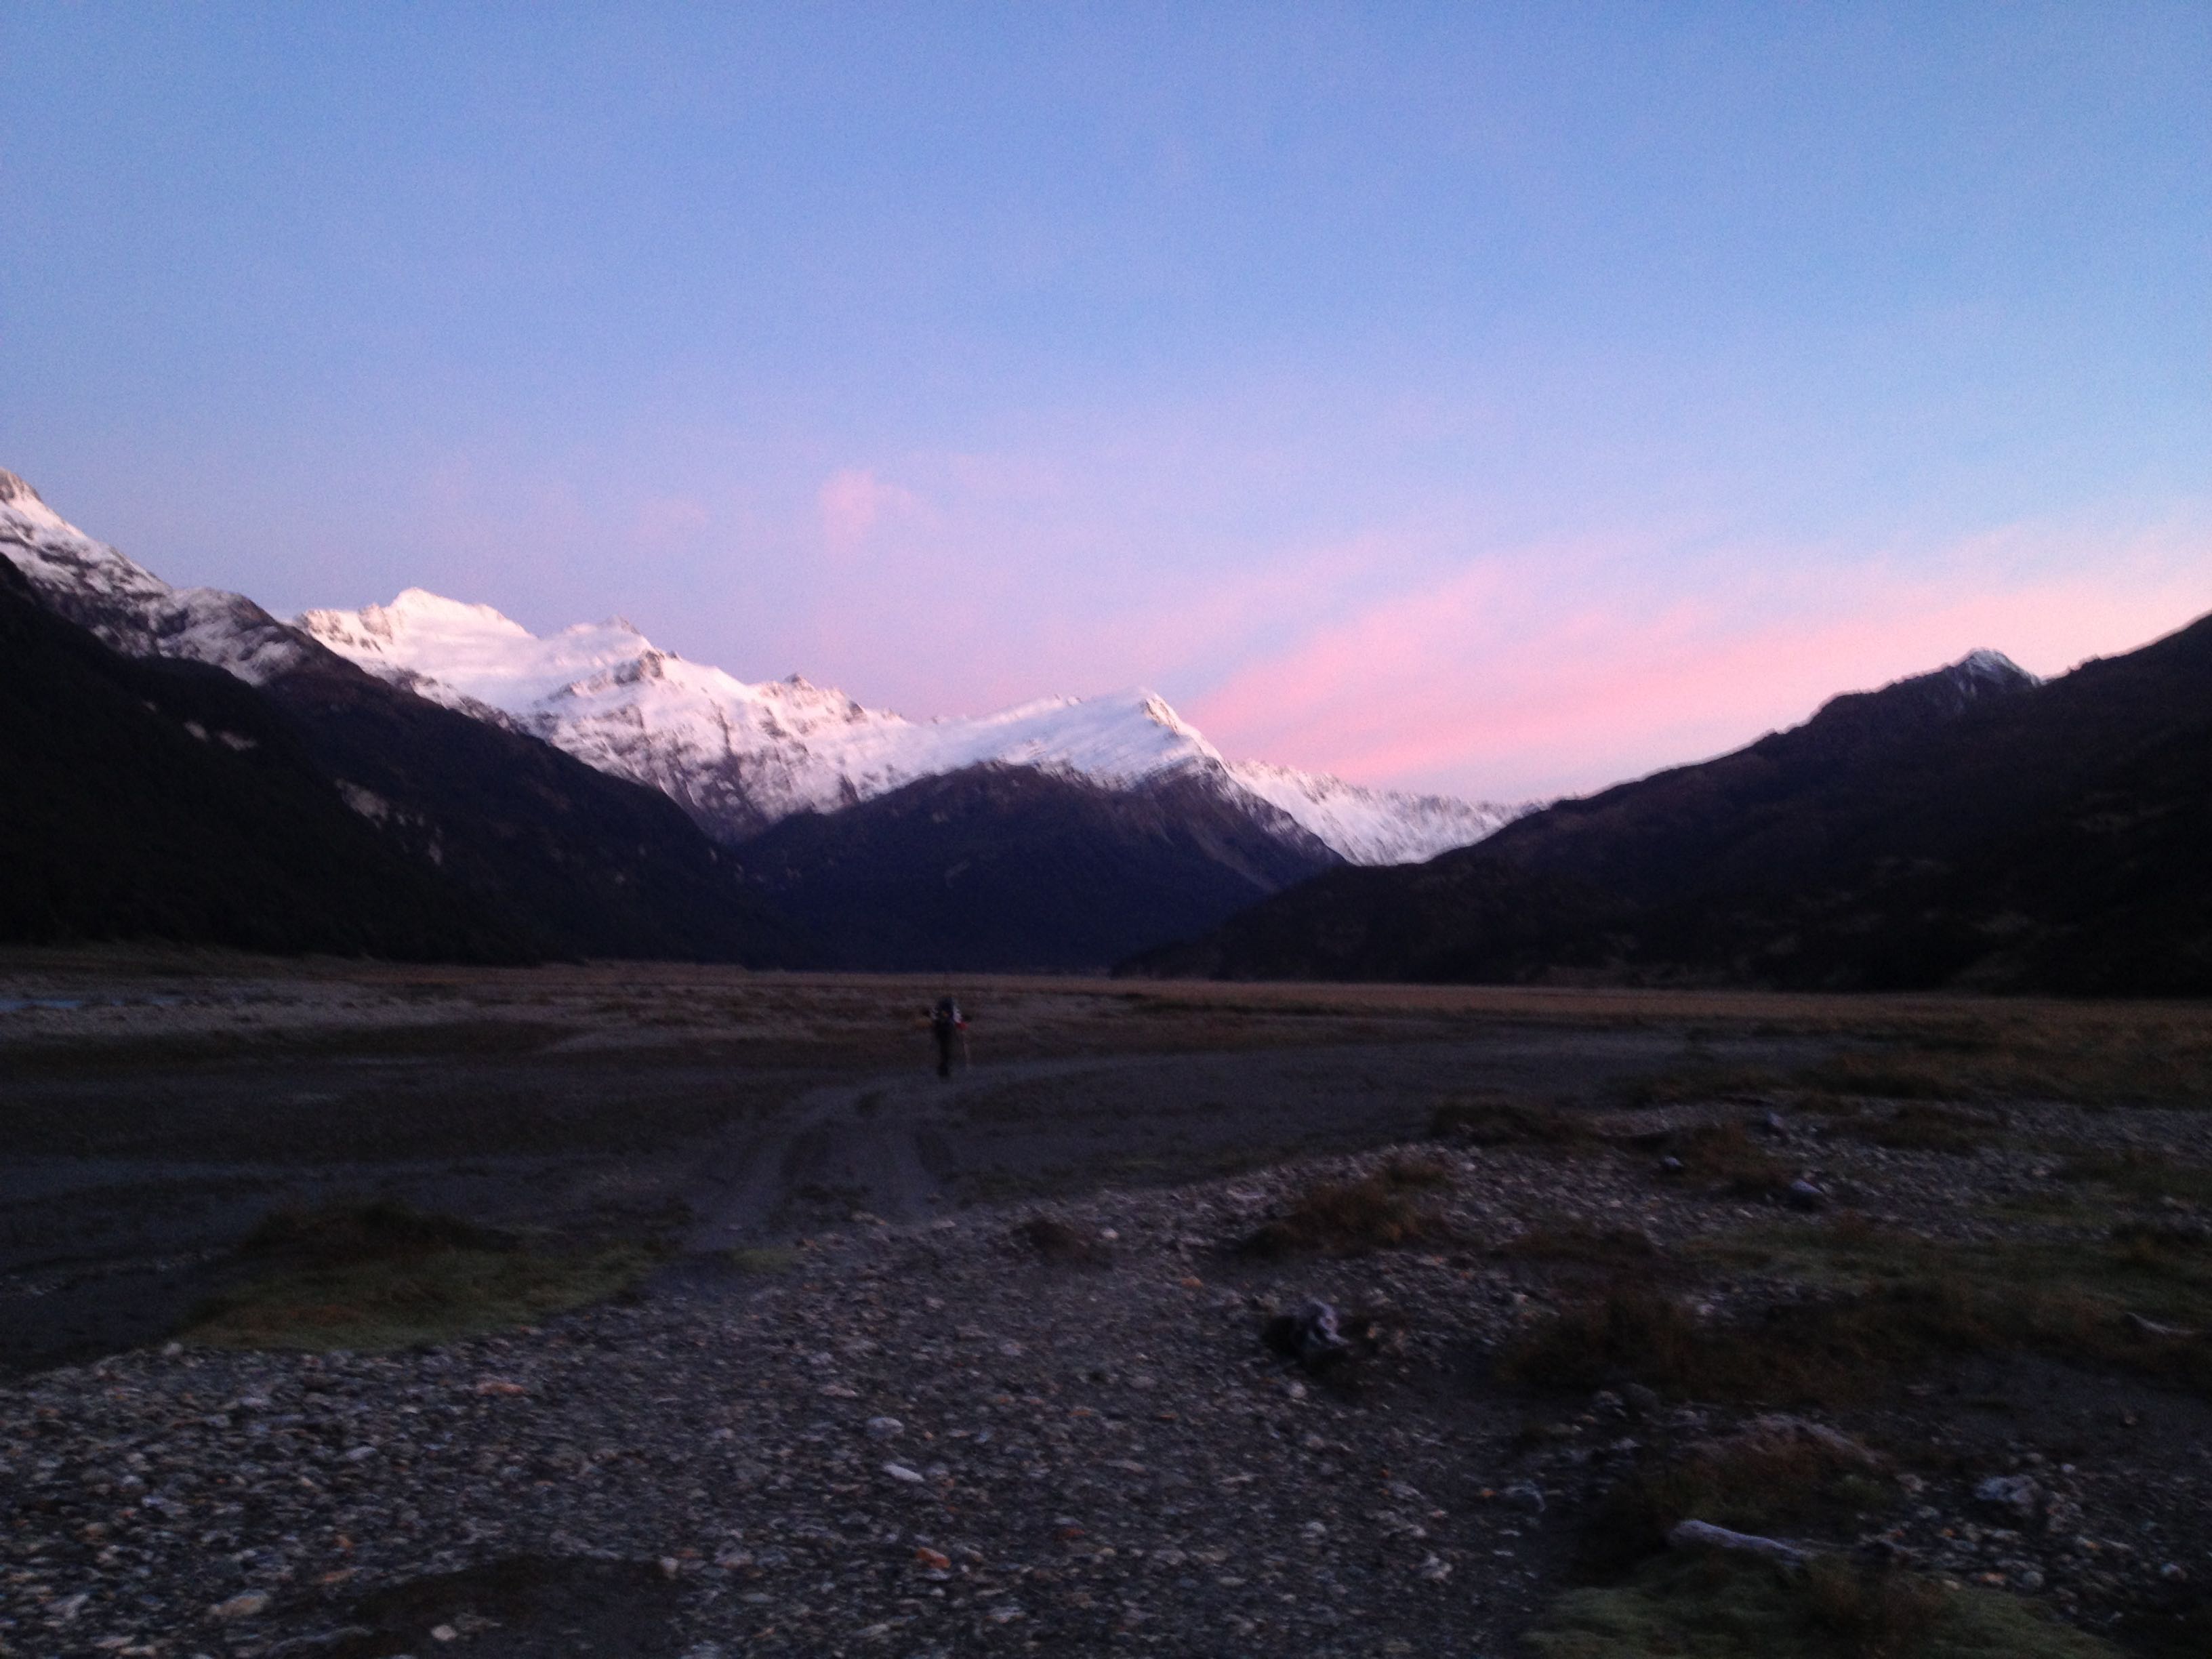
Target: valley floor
[911, 1367]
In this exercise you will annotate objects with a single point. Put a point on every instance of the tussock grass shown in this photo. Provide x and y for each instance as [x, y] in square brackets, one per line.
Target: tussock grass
[1621, 1250]
[1773, 1474]
[2146, 1177]
[381, 1275]
[1699, 1081]
[1911, 1074]
[1494, 1123]
[2161, 1269]
[1882, 1308]
[1717, 1608]
[1409, 1173]
[763, 1259]
[1348, 1218]
[1919, 1128]
[1724, 1155]
[2087, 1055]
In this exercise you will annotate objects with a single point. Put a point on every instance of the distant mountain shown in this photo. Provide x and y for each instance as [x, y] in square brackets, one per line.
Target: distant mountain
[1851, 783]
[555, 853]
[1374, 826]
[1015, 867]
[167, 800]
[740, 756]
[1971, 826]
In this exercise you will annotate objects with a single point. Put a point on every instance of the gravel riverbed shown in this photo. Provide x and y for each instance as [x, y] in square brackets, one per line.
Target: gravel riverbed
[928, 1440]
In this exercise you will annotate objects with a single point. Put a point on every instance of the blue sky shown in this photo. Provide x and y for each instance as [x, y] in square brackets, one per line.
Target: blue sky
[1501, 398]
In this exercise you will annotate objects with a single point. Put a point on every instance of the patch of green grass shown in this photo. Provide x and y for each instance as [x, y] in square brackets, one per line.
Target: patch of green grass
[760, 1258]
[2147, 1177]
[1707, 1607]
[380, 1275]
[1917, 1127]
[1881, 1309]
[2043, 1204]
[2162, 1271]
[2090, 1058]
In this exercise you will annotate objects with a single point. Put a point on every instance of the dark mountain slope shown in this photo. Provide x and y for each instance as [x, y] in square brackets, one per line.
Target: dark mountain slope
[1008, 867]
[167, 800]
[579, 862]
[1788, 808]
[598, 866]
[1969, 827]
[2094, 876]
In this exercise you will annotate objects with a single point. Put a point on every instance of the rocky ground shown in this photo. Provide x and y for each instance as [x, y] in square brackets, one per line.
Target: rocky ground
[1057, 1428]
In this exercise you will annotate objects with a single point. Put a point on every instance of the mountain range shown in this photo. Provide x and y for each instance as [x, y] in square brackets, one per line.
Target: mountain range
[740, 756]
[428, 779]
[1070, 831]
[1972, 827]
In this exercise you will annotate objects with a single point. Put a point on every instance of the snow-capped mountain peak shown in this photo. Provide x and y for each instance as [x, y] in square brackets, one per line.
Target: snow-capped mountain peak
[741, 755]
[20, 497]
[1375, 826]
[129, 606]
[1993, 667]
[478, 654]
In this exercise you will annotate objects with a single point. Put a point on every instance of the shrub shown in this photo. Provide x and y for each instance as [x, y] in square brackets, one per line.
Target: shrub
[1771, 1473]
[1407, 1173]
[1348, 1218]
[1921, 1128]
[1620, 1250]
[1054, 1240]
[1724, 1154]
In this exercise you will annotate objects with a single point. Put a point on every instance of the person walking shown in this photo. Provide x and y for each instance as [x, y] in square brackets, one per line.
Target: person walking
[947, 1026]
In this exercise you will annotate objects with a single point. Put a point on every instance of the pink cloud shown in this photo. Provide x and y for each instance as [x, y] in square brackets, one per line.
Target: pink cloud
[1564, 668]
[855, 501]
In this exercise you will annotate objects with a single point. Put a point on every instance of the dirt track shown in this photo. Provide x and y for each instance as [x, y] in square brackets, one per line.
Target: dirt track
[902, 1145]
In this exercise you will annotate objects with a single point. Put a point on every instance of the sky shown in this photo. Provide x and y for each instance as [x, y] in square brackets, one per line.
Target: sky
[1503, 399]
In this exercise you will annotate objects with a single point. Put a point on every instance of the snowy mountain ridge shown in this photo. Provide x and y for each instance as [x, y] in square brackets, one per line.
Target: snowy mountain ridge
[742, 756]
[1375, 826]
[130, 608]
[737, 756]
